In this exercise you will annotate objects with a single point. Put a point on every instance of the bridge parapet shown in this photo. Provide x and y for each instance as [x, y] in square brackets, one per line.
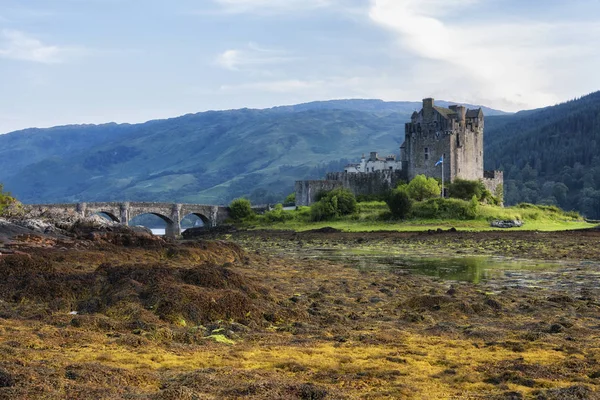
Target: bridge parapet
[123, 212]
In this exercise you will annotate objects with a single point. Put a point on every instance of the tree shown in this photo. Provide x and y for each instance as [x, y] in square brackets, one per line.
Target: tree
[466, 189]
[422, 188]
[290, 199]
[399, 202]
[6, 200]
[346, 202]
[333, 204]
[240, 209]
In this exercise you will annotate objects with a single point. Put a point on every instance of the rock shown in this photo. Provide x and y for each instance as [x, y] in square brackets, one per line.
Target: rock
[506, 223]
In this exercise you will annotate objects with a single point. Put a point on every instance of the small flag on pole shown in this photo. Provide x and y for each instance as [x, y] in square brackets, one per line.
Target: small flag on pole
[440, 161]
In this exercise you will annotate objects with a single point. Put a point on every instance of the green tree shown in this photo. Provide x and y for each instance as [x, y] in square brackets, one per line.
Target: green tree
[6, 200]
[290, 199]
[466, 189]
[399, 202]
[333, 204]
[346, 202]
[423, 188]
[240, 209]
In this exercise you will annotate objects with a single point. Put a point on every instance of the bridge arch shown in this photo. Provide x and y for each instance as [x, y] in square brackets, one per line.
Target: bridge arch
[109, 214]
[172, 227]
[205, 220]
[123, 212]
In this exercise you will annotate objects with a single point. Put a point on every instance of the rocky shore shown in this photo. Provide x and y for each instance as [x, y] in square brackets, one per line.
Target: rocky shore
[92, 310]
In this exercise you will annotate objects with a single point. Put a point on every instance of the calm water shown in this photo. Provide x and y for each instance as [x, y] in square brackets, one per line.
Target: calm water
[496, 270]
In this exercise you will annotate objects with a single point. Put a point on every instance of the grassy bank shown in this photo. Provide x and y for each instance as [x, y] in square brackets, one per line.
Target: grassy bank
[375, 216]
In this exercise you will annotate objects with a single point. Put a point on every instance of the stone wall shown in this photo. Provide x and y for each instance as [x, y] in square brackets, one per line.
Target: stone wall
[494, 182]
[371, 183]
[306, 191]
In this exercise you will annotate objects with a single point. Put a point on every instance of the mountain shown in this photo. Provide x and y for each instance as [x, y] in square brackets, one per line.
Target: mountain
[208, 157]
[378, 106]
[549, 155]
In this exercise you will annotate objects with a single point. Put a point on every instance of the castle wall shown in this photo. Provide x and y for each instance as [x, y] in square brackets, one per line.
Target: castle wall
[494, 182]
[306, 191]
[372, 183]
[467, 162]
[436, 145]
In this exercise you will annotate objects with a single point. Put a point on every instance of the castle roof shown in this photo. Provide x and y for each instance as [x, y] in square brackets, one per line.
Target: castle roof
[474, 113]
[446, 112]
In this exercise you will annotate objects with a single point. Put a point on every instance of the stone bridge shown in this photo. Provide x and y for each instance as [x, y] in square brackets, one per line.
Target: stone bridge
[171, 213]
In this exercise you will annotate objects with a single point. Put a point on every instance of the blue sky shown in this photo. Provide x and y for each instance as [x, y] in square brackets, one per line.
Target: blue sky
[94, 61]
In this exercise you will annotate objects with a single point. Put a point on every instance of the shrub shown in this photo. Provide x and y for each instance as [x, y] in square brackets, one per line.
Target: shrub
[399, 202]
[346, 202]
[6, 200]
[240, 209]
[466, 189]
[290, 199]
[368, 198]
[278, 214]
[439, 208]
[333, 204]
[323, 210]
[423, 188]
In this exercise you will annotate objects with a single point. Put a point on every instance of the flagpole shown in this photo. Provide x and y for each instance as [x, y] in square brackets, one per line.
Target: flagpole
[442, 177]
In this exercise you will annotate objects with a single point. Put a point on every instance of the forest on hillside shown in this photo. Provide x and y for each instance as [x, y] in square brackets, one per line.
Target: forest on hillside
[550, 156]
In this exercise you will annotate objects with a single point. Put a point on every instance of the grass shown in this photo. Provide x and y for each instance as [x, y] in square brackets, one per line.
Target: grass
[374, 216]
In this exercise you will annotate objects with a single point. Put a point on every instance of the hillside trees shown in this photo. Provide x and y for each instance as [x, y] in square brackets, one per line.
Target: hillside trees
[549, 156]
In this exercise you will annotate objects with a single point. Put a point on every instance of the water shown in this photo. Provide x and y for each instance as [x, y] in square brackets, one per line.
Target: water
[497, 271]
[161, 232]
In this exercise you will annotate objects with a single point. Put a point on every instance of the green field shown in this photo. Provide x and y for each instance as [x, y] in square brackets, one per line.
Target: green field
[374, 216]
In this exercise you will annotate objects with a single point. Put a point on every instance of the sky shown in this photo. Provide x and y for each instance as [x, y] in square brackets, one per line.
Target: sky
[96, 61]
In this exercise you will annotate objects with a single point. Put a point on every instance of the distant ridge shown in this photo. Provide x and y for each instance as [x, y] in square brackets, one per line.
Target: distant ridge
[374, 105]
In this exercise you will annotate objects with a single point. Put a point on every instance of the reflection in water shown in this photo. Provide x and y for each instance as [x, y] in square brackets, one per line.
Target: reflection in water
[468, 269]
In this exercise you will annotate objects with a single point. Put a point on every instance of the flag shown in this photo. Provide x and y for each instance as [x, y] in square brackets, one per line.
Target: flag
[441, 161]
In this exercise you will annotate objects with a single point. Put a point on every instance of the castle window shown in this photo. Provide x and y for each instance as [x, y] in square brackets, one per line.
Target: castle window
[457, 140]
[426, 153]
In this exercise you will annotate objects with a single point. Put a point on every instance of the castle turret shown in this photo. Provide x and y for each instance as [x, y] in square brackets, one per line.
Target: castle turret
[428, 109]
[461, 111]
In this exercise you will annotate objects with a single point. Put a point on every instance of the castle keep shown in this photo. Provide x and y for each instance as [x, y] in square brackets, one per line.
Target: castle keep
[454, 133]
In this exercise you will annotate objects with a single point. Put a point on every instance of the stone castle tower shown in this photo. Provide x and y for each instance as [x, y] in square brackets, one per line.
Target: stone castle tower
[454, 133]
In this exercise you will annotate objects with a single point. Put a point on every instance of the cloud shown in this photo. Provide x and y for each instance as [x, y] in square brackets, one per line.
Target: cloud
[17, 45]
[512, 64]
[244, 6]
[251, 57]
[280, 86]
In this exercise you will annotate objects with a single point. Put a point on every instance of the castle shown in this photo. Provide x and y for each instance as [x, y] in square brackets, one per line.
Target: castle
[454, 134]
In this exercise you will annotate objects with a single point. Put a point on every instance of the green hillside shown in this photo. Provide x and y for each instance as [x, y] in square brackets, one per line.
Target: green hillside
[551, 155]
[209, 157]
